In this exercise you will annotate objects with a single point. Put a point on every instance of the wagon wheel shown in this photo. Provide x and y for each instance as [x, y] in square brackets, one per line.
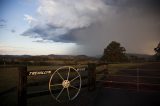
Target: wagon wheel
[65, 84]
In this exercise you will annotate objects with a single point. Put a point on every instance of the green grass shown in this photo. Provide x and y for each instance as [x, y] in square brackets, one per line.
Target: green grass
[8, 78]
[114, 68]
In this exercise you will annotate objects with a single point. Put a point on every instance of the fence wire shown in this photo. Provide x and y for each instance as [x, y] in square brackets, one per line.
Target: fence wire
[135, 79]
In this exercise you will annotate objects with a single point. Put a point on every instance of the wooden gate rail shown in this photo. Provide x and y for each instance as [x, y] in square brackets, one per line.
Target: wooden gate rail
[22, 84]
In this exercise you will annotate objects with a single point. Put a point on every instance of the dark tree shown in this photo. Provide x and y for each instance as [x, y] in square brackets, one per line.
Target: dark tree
[114, 53]
[157, 50]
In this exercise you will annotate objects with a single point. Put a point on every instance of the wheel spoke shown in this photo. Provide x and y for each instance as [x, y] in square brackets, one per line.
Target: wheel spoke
[74, 87]
[56, 85]
[59, 93]
[60, 75]
[68, 94]
[74, 78]
[69, 83]
[68, 73]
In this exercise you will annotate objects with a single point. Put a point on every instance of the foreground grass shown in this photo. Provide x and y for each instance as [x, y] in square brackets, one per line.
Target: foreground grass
[8, 78]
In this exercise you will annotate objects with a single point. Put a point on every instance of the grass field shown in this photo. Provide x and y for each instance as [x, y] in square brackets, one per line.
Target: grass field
[114, 68]
[9, 80]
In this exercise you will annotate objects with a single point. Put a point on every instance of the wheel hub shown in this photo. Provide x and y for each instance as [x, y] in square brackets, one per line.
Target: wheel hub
[66, 84]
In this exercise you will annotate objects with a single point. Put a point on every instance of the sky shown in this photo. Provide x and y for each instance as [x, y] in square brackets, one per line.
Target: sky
[74, 27]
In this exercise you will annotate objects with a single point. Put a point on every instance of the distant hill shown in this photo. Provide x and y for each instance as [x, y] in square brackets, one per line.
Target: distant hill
[135, 56]
[45, 59]
[144, 57]
[62, 59]
[139, 55]
[70, 57]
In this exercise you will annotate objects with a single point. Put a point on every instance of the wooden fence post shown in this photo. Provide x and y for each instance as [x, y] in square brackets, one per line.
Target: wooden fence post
[137, 80]
[106, 73]
[91, 76]
[22, 86]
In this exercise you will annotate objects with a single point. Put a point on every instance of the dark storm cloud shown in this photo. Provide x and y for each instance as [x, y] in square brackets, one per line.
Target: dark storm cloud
[49, 33]
[133, 23]
[130, 3]
[66, 38]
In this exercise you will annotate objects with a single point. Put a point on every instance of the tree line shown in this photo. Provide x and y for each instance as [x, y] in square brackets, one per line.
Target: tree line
[114, 52]
[157, 54]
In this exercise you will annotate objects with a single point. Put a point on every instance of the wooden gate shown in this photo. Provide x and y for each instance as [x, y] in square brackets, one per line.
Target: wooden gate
[86, 72]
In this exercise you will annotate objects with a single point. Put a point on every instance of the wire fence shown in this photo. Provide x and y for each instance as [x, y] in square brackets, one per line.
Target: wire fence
[132, 79]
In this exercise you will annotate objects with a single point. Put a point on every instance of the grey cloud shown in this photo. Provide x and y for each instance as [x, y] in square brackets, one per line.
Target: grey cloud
[2, 20]
[57, 19]
[13, 30]
[66, 38]
[49, 33]
[2, 23]
[43, 41]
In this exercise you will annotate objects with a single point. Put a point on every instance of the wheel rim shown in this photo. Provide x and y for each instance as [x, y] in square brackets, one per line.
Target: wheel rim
[66, 84]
